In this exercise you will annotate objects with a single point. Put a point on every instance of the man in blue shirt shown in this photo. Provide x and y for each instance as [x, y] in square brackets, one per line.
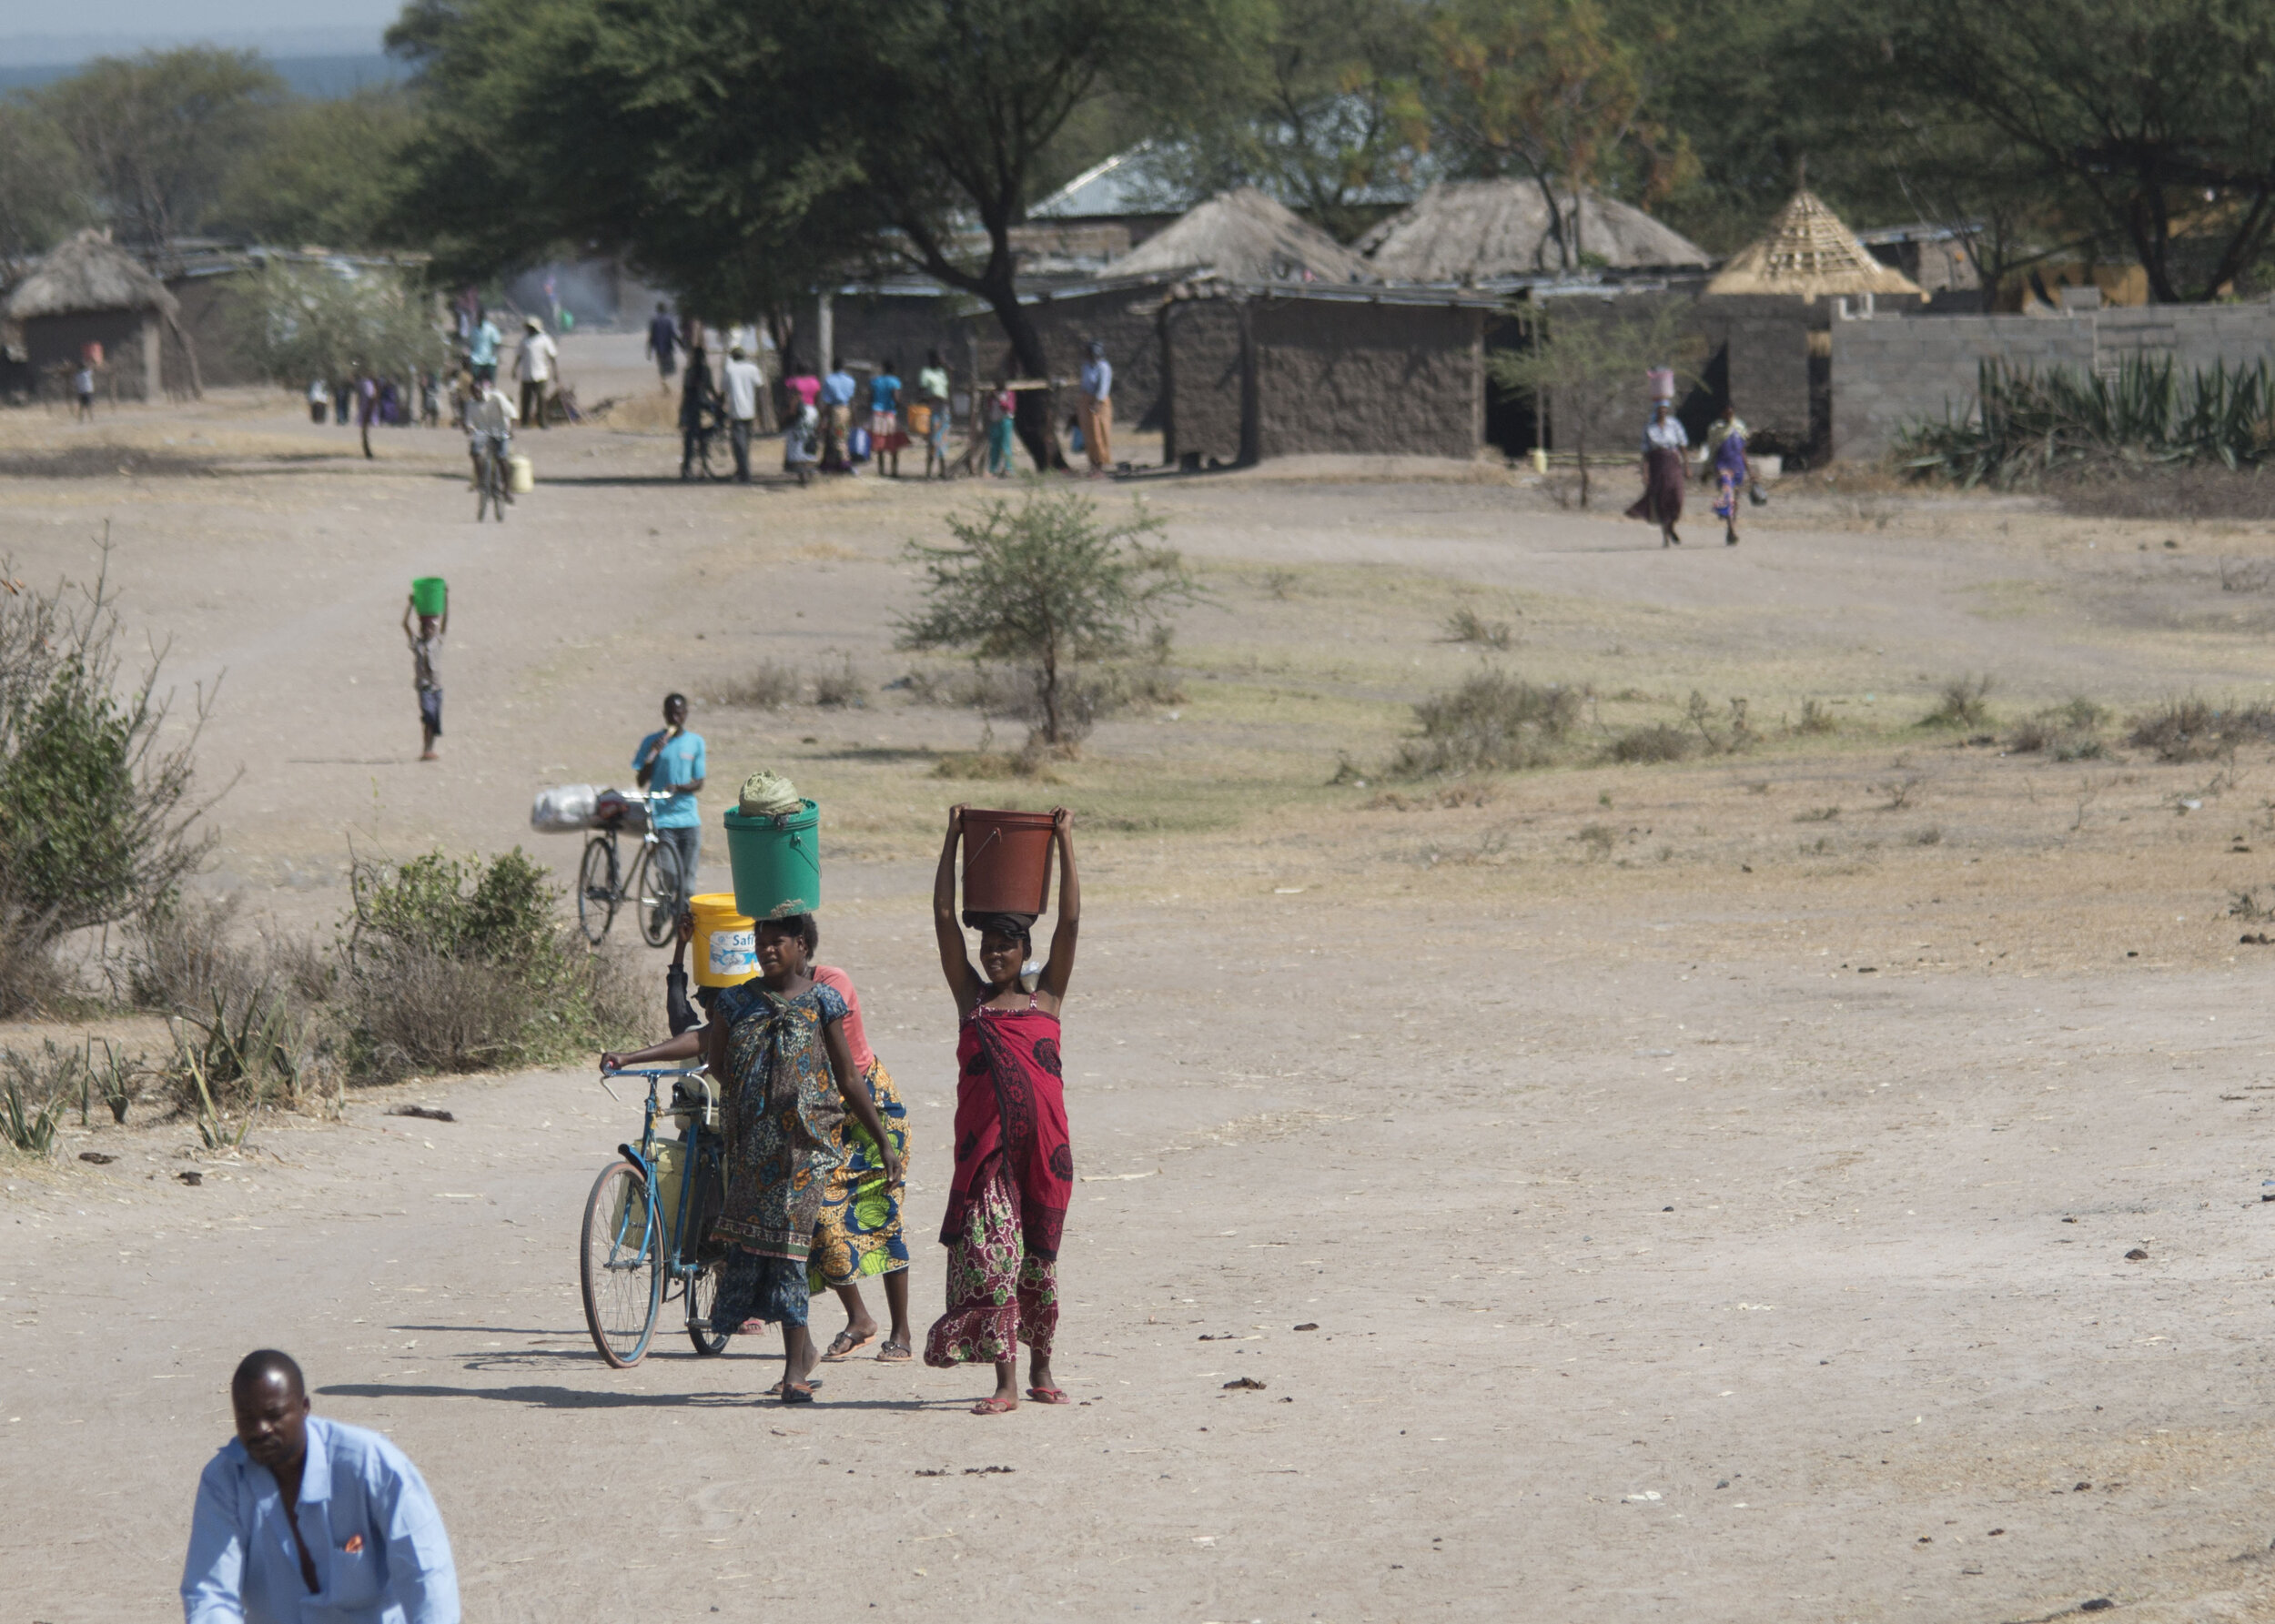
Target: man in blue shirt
[836, 402]
[671, 758]
[481, 349]
[1097, 407]
[300, 1519]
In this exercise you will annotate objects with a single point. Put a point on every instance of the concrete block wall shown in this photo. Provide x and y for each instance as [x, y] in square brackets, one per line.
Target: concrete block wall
[1890, 372]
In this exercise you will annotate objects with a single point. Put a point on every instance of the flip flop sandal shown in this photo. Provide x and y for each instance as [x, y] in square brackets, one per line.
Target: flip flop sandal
[995, 1407]
[844, 1345]
[894, 1353]
[797, 1395]
[1046, 1395]
[775, 1391]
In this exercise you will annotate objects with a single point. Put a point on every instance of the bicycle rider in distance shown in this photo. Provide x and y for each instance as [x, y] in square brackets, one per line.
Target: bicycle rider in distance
[488, 426]
[671, 759]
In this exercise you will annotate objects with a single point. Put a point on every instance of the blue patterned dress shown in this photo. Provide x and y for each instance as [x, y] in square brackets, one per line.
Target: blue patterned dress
[783, 1141]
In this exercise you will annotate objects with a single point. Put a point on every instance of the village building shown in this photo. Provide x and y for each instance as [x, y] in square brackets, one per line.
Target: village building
[88, 296]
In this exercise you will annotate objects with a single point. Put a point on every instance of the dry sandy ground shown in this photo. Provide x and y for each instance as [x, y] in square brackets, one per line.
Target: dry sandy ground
[1711, 1184]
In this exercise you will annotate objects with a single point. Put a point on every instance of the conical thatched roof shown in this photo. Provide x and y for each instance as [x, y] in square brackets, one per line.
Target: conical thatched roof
[1476, 230]
[87, 273]
[1244, 236]
[1807, 252]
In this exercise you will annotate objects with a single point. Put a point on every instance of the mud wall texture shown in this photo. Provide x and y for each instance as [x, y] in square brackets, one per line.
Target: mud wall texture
[131, 349]
[1370, 379]
[1207, 387]
[1891, 371]
[1251, 377]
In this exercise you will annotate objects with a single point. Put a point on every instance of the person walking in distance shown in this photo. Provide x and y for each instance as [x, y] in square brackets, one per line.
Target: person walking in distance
[301, 1520]
[886, 438]
[1014, 1165]
[425, 656]
[743, 381]
[533, 365]
[1725, 450]
[1098, 408]
[837, 397]
[932, 384]
[1664, 442]
[672, 759]
[663, 344]
[482, 348]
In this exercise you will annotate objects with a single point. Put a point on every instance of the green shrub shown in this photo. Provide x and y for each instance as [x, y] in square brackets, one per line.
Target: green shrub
[1492, 721]
[1657, 742]
[1964, 703]
[2192, 729]
[457, 966]
[95, 815]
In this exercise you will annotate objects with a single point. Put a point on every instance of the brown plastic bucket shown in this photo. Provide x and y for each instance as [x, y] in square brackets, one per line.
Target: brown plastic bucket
[1006, 861]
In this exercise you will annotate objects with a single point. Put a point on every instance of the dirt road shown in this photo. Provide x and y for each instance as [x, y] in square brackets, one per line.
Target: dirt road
[1716, 1216]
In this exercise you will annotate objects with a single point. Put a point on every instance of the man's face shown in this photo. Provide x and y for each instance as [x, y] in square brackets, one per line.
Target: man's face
[272, 1419]
[676, 712]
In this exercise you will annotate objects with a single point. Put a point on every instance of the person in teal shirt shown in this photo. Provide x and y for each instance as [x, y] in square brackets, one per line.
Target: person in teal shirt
[671, 759]
[481, 349]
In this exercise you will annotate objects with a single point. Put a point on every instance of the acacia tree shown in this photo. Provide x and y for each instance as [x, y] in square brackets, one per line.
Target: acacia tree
[735, 145]
[1042, 586]
[2158, 115]
[1550, 89]
[158, 134]
[1586, 363]
[303, 321]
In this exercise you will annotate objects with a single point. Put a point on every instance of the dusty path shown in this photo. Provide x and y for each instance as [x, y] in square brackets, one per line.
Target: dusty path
[1429, 1080]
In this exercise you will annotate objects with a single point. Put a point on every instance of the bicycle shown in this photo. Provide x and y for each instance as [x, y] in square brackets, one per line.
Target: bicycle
[711, 452]
[654, 882]
[645, 1234]
[489, 481]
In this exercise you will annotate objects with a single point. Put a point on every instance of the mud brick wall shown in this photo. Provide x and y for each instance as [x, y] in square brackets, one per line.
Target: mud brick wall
[1205, 381]
[1334, 376]
[1888, 372]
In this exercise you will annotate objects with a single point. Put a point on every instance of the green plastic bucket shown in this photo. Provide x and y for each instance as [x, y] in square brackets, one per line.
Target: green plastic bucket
[777, 862]
[429, 595]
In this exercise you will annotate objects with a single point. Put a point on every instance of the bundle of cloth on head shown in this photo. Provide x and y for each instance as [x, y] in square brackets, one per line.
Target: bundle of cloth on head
[767, 795]
[1001, 925]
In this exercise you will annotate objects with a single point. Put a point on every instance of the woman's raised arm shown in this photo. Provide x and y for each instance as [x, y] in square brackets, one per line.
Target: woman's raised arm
[1052, 982]
[955, 960]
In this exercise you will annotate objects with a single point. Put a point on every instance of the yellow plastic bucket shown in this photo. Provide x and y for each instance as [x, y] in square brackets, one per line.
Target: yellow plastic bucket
[726, 942]
[522, 475]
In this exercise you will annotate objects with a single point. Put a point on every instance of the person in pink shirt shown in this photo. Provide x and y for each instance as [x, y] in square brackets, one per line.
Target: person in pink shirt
[859, 1234]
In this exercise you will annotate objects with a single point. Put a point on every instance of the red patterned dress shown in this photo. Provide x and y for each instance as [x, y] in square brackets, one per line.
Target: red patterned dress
[1014, 1174]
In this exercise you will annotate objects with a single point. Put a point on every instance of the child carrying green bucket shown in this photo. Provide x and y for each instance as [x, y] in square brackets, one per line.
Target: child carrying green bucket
[426, 652]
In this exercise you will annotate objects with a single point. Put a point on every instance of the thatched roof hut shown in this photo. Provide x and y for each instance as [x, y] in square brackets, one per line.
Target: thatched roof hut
[1243, 236]
[1807, 252]
[1480, 231]
[89, 275]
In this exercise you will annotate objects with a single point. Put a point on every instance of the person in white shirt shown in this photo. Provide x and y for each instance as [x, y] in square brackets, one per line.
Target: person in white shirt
[741, 380]
[488, 428]
[1098, 408]
[533, 365]
[1664, 442]
[319, 402]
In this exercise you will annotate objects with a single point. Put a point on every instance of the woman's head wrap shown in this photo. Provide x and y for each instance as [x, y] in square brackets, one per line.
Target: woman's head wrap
[1014, 925]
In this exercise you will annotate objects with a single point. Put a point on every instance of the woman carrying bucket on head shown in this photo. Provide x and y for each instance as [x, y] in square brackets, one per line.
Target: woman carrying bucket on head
[1014, 1165]
[1665, 441]
[859, 1232]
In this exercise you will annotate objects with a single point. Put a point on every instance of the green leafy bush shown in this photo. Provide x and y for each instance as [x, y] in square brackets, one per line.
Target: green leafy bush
[1492, 721]
[457, 966]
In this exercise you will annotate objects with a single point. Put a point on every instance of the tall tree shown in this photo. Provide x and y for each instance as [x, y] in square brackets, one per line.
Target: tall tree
[159, 133]
[1318, 113]
[43, 188]
[2158, 115]
[761, 143]
[319, 171]
[1551, 90]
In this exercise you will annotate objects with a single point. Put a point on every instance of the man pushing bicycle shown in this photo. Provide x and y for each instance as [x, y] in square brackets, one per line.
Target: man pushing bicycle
[489, 431]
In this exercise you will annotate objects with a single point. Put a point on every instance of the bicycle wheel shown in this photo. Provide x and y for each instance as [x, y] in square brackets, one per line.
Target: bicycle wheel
[596, 890]
[660, 894]
[703, 1294]
[621, 1265]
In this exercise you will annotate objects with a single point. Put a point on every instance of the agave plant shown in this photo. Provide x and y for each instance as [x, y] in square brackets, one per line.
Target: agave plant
[2025, 424]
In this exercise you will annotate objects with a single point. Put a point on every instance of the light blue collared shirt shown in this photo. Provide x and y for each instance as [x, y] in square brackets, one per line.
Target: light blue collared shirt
[372, 1531]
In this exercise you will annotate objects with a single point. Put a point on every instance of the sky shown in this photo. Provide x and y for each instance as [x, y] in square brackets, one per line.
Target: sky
[38, 31]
